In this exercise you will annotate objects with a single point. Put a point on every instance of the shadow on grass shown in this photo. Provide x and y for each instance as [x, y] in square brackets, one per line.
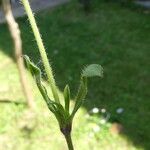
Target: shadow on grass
[7, 101]
[114, 37]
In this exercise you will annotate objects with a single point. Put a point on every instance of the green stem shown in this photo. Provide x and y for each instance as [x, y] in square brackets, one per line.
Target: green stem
[69, 141]
[41, 47]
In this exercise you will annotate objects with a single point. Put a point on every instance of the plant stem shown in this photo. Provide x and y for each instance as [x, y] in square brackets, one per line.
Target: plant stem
[69, 141]
[42, 50]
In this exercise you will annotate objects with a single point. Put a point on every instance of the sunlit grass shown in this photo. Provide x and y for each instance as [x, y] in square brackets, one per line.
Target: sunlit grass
[20, 129]
[113, 36]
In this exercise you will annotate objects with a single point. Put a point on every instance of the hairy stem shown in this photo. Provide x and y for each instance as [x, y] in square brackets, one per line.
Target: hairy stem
[42, 50]
[15, 34]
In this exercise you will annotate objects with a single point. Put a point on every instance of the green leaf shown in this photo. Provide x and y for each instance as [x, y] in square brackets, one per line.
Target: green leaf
[35, 71]
[82, 92]
[50, 103]
[54, 107]
[89, 71]
[93, 70]
[67, 98]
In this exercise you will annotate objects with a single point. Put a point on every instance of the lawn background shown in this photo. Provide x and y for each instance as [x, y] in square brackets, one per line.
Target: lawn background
[115, 36]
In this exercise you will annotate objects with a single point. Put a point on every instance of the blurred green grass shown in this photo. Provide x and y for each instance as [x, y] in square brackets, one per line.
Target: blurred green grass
[116, 37]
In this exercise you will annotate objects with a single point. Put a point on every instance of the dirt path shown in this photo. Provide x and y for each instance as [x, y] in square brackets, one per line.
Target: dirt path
[36, 5]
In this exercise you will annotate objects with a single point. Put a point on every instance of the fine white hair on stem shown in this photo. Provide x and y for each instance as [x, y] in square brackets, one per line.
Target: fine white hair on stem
[39, 62]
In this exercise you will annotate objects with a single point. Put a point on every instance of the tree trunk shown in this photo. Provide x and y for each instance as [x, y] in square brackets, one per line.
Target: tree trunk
[15, 33]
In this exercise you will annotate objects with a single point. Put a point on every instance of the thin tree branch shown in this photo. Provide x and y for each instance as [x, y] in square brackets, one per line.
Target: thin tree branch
[15, 33]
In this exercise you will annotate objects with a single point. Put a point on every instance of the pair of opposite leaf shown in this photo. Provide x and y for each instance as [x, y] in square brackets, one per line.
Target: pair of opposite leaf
[61, 113]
